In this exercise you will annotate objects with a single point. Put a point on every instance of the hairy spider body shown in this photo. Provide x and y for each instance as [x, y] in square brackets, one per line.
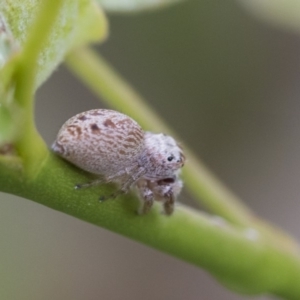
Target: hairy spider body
[113, 146]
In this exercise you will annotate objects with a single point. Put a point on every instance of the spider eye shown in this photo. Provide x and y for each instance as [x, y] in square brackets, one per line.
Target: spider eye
[170, 158]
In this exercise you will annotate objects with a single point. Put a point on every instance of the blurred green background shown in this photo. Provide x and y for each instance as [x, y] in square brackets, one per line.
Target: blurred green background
[229, 85]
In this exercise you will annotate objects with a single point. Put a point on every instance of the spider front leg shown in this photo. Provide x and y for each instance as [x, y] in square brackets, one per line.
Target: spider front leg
[146, 197]
[169, 203]
[148, 201]
[167, 190]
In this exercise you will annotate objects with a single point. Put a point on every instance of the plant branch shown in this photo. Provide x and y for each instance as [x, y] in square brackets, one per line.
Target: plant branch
[242, 260]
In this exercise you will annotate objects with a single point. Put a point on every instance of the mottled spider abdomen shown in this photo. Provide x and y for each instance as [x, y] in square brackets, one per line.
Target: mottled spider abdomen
[100, 141]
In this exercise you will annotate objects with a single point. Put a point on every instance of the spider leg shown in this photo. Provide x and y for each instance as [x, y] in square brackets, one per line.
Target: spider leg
[126, 183]
[147, 200]
[91, 183]
[169, 203]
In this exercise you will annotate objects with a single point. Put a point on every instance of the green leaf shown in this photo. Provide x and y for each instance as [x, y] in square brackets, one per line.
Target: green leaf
[285, 13]
[79, 22]
[134, 5]
[9, 112]
[8, 44]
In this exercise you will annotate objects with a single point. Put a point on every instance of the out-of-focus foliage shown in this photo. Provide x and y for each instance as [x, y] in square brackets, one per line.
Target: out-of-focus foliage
[8, 45]
[282, 12]
[79, 22]
[134, 5]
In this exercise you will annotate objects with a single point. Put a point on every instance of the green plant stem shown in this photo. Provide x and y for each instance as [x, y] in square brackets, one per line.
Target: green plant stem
[30, 145]
[106, 83]
[242, 260]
